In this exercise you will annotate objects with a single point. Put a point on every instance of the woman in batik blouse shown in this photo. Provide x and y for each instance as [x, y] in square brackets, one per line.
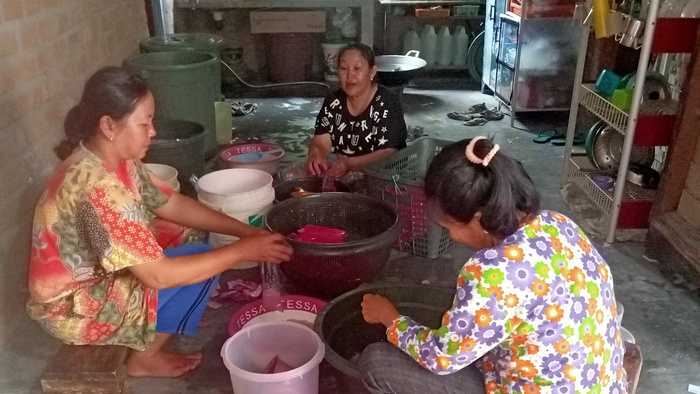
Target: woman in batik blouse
[97, 275]
[534, 309]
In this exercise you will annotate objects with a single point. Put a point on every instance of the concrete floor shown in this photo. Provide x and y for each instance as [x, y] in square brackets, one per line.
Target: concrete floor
[663, 317]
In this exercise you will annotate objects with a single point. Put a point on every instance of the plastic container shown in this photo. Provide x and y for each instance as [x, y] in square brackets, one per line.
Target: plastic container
[332, 269]
[203, 42]
[248, 353]
[186, 84]
[444, 54]
[398, 181]
[411, 41]
[264, 156]
[460, 45]
[244, 194]
[179, 144]
[428, 44]
[165, 173]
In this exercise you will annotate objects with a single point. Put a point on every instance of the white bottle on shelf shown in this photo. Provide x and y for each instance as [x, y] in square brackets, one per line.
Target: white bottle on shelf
[460, 45]
[411, 41]
[443, 55]
[428, 42]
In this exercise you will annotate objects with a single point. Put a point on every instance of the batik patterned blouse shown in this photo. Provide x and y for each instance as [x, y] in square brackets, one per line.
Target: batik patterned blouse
[90, 225]
[537, 314]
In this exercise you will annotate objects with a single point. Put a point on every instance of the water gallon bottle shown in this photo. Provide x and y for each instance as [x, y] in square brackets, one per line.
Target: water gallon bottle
[428, 43]
[411, 41]
[444, 55]
[460, 42]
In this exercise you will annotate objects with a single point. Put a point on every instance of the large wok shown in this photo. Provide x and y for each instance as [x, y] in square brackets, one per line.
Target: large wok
[398, 69]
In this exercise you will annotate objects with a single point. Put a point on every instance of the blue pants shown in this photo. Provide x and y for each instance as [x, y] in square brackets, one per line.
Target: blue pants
[180, 309]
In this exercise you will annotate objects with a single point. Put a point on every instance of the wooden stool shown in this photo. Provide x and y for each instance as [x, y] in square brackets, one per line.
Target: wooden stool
[86, 369]
[633, 365]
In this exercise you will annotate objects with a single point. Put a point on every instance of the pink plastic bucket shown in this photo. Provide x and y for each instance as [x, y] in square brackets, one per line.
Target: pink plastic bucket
[297, 308]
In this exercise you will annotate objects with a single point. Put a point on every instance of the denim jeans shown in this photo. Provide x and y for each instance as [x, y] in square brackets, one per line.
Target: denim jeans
[388, 370]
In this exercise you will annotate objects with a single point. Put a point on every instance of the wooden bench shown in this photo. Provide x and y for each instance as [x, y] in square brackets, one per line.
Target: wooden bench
[86, 369]
[633, 366]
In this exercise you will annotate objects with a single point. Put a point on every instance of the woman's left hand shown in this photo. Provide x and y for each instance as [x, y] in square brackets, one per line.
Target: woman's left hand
[378, 309]
[340, 167]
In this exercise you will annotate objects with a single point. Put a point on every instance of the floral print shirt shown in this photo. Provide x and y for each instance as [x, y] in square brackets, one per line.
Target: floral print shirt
[537, 313]
[90, 225]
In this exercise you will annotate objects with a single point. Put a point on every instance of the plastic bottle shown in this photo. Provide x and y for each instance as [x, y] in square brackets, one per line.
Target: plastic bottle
[443, 57]
[411, 41]
[460, 45]
[428, 43]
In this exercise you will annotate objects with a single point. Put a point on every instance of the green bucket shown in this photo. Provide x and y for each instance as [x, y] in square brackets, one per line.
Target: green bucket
[185, 85]
[203, 42]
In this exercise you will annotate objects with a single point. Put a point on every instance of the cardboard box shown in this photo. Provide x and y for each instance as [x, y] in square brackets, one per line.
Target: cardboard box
[432, 12]
[287, 22]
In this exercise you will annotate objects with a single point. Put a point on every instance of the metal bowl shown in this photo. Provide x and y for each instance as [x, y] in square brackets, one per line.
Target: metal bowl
[607, 150]
[332, 269]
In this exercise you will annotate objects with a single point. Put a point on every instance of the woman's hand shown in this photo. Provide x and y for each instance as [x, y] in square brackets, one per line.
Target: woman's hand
[340, 167]
[268, 247]
[316, 165]
[378, 309]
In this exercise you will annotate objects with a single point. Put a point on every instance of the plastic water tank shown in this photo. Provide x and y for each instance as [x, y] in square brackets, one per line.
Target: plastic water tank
[203, 42]
[185, 85]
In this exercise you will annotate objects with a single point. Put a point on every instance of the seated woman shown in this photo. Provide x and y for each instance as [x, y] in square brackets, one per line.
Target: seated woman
[534, 309]
[95, 266]
[361, 123]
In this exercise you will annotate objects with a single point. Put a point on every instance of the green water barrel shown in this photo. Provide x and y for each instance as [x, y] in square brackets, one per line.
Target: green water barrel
[184, 84]
[203, 42]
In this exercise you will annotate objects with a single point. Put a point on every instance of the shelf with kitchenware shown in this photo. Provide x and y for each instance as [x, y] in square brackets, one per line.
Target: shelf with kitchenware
[652, 129]
[637, 116]
[636, 202]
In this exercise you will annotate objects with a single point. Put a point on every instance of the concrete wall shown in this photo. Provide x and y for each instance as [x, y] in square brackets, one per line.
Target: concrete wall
[48, 48]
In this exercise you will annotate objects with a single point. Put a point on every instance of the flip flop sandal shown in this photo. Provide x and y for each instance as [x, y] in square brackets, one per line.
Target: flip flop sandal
[458, 116]
[561, 140]
[545, 136]
[492, 114]
[477, 108]
[476, 122]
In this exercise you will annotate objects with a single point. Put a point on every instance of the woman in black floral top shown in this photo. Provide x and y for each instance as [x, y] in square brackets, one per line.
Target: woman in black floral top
[361, 123]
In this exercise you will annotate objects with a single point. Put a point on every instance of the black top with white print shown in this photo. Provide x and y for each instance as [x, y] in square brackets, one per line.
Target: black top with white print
[380, 126]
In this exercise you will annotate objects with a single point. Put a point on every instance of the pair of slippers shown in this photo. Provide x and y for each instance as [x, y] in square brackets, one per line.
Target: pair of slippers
[555, 138]
[477, 115]
[239, 108]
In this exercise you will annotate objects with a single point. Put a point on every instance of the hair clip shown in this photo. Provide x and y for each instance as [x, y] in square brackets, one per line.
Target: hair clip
[473, 158]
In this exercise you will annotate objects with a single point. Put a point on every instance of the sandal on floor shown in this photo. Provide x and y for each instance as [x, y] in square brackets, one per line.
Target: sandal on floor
[561, 140]
[477, 108]
[462, 116]
[492, 114]
[545, 136]
[478, 121]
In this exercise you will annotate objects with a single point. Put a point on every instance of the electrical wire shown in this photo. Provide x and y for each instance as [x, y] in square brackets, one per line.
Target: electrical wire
[274, 85]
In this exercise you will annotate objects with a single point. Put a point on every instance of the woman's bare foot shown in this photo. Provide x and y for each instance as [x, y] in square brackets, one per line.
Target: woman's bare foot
[161, 364]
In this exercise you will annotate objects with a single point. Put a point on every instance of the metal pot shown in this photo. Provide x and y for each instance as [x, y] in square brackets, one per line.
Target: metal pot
[399, 69]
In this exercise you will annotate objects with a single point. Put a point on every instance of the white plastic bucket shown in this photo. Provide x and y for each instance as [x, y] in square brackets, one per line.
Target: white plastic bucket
[249, 351]
[244, 194]
[165, 173]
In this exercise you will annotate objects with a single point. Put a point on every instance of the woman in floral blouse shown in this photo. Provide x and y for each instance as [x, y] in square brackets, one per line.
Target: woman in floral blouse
[534, 310]
[95, 265]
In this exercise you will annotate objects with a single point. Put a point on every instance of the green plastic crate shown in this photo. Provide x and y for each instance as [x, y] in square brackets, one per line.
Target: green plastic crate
[399, 181]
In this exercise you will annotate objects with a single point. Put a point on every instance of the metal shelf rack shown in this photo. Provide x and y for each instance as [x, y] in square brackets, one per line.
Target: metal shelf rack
[625, 204]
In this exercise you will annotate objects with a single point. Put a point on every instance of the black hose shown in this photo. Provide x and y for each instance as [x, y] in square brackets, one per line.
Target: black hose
[274, 85]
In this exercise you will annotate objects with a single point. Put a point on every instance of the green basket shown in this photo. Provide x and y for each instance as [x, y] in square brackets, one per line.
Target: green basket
[399, 181]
